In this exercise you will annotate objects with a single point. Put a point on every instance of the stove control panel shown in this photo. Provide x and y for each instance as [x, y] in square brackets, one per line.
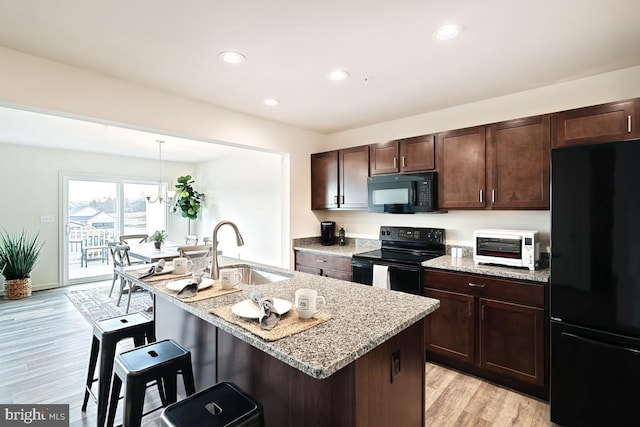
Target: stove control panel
[412, 234]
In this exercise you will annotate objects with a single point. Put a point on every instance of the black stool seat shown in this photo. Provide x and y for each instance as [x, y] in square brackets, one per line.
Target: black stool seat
[107, 334]
[161, 362]
[224, 404]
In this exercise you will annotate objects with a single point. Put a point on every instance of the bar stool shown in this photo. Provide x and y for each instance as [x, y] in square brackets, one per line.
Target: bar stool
[162, 362]
[224, 404]
[107, 334]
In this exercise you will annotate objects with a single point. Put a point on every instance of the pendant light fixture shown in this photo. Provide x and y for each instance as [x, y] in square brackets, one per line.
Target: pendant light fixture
[163, 195]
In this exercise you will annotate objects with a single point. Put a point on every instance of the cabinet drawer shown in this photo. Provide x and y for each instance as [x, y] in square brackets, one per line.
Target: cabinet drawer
[487, 287]
[323, 261]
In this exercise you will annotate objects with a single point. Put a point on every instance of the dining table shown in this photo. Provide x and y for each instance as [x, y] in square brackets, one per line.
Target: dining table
[147, 252]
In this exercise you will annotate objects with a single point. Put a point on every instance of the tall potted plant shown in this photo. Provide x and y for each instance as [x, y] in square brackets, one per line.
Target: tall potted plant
[188, 199]
[19, 253]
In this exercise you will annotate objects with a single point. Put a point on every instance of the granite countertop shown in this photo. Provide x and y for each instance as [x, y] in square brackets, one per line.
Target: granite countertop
[352, 246]
[466, 265]
[363, 318]
[347, 250]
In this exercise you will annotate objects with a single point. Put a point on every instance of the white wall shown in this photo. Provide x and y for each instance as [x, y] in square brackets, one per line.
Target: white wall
[48, 86]
[248, 189]
[30, 188]
[618, 85]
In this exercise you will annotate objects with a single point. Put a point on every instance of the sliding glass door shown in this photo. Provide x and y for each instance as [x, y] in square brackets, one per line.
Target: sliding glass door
[98, 210]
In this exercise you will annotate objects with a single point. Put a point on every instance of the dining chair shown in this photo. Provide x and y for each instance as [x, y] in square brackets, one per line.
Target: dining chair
[191, 240]
[120, 257]
[199, 254]
[76, 250]
[128, 239]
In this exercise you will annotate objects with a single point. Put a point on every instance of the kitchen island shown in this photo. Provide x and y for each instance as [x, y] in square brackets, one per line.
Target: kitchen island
[363, 367]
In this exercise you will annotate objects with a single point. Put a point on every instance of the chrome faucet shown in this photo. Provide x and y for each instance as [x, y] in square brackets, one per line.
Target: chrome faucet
[215, 270]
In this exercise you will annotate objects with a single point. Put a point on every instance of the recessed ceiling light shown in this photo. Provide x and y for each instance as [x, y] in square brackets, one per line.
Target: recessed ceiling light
[272, 102]
[338, 75]
[232, 57]
[448, 32]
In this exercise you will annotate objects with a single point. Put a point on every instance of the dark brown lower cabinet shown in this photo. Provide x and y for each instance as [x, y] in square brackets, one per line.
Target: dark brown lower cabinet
[490, 327]
[334, 266]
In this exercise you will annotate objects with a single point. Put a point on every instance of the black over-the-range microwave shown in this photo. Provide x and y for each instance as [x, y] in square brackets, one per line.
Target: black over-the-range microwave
[403, 193]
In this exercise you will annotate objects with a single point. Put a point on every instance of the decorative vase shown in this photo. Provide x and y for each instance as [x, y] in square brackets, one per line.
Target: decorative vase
[17, 288]
[157, 245]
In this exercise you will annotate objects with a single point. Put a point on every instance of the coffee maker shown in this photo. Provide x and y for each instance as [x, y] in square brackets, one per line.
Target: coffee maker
[328, 232]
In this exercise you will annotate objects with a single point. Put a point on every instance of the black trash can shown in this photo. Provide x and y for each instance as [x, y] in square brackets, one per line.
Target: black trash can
[224, 404]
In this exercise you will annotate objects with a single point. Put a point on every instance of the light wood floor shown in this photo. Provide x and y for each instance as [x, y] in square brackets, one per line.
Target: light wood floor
[44, 353]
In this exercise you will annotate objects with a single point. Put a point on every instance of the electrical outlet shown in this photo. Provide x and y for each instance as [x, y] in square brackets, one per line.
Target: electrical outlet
[395, 365]
[46, 218]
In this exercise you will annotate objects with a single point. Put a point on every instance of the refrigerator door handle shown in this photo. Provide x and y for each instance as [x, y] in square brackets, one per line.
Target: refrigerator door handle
[633, 351]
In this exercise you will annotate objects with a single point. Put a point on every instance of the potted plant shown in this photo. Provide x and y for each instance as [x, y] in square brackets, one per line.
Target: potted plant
[188, 200]
[158, 238]
[19, 253]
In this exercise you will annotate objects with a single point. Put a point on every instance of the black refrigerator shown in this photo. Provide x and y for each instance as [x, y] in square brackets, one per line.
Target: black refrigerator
[595, 285]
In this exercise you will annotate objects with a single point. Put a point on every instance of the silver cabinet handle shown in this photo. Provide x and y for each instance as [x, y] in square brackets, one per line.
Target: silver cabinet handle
[470, 304]
[321, 260]
[482, 312]
[395, 162]
[476, 285]
[481, 196]
[404, 164]
[493, 195]
[629, 124]
[342, 200]
[335, 200]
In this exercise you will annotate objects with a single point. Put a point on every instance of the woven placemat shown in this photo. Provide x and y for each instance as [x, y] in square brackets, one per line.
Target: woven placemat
[210, 292]
[289, 324]
[161, 277]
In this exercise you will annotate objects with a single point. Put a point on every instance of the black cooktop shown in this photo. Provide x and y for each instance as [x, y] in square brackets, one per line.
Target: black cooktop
[409, 245]
[390, 255]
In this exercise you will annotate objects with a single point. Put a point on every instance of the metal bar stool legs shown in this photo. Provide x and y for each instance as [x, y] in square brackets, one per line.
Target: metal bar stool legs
[107, 334]
[136, 369]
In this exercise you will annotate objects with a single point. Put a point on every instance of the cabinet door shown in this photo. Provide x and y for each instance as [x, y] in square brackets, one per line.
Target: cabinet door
[324, 180]
[461, 168]
[450, 329]
[600, 123]
[519, 153]
[417, 154]
[354, 171]
[512, 340]
[383, 158]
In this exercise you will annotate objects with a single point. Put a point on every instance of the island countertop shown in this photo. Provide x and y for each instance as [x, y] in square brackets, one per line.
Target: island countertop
[363, 318]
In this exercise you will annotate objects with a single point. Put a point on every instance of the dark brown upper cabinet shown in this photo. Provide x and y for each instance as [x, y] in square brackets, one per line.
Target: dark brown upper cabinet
[461, 159]
[610, 122]
[499, 166]
[518, 166]
[414, 154]
[339, 179]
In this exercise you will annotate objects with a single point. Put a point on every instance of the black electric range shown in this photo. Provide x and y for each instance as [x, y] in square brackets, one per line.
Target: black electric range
[403, 250]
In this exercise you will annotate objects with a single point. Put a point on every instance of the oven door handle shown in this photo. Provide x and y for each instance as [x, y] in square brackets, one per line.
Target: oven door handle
[403, 267]
[369, 264]
[364, 264]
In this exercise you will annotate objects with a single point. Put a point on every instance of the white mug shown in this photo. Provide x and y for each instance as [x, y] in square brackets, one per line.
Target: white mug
[182, 265]
[306, 302]
[229, 277]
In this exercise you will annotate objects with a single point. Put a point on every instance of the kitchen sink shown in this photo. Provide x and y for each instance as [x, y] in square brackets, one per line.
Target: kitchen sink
[254, 276]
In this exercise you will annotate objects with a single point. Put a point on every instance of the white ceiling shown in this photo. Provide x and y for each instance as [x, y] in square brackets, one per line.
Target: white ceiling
[507, 46]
